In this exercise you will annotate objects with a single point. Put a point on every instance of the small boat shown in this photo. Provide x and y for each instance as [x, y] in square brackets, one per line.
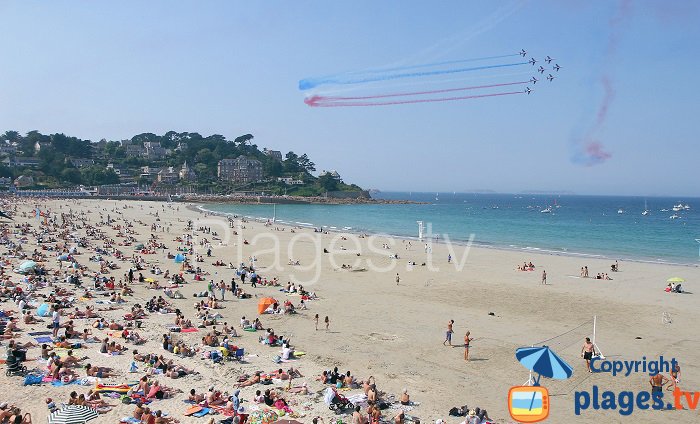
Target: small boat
[548, 209]
[646, 209]
[674, 216]
[620, 211]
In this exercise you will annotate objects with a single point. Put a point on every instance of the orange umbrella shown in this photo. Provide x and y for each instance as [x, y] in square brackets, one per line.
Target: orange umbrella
[265, 303]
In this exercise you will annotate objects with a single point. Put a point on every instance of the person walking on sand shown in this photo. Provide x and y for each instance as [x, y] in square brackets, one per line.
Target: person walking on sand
[544, 277]
[467, 340]
[448, 333]
[316, 321]
[587, 352]
[397, 279]
[328, 322]
[55, 321]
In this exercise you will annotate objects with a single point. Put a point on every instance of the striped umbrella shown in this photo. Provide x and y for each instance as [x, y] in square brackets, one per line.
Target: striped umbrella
[544, 361]
[73, 414]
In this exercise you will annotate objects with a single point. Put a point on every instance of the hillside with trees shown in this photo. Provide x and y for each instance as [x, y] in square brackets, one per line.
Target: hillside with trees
[183, 162]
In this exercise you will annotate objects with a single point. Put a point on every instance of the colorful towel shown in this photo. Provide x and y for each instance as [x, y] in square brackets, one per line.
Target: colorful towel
[223, 411]
[40, 333]
[189, 330]
[43, 339]
[201, 413]
[116, 388]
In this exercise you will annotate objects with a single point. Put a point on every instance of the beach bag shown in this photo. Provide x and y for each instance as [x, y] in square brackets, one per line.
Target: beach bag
[33, 379]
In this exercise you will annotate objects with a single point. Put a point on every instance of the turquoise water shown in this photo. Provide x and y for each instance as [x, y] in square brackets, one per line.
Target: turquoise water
[588, 225]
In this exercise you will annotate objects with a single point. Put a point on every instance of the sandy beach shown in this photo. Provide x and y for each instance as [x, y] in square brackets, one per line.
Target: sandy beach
[393, 331]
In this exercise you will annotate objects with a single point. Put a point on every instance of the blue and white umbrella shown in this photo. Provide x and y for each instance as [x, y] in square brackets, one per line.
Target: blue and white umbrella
[544, 362]
[73, 414]
[27, 266]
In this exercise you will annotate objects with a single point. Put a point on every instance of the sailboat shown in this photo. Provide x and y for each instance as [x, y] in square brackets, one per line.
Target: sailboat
[436, 197]
[646, 209]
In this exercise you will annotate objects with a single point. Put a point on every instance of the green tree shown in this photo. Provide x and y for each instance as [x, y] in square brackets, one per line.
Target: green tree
[305, 163]
[327, 182]
[71, 175]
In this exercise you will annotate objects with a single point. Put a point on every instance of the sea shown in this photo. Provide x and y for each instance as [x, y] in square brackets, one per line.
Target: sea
[590, 226]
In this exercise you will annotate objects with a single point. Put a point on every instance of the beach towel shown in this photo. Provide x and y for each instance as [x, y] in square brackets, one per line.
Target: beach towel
[189, 330]
[223, 411]
[59, 383]
[114, 388]
[43, 339]
[40, 333]
[201, 413]
[130, 420]
[192, 410]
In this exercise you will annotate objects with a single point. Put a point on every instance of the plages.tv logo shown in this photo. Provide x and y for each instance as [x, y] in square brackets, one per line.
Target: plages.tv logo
[530, 403]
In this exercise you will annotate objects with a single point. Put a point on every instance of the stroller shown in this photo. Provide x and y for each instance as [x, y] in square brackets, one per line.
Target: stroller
[335, 401]
[14, 366]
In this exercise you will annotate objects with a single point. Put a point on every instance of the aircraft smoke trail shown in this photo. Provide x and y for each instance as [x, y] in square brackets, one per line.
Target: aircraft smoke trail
[317, 98]
[309, 83]
[590, 151]
[315, 102]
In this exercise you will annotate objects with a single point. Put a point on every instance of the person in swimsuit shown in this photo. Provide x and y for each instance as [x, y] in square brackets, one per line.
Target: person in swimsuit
[587, 352]
[675, 377]
[448, 333]
[467, 340]
[657, 382]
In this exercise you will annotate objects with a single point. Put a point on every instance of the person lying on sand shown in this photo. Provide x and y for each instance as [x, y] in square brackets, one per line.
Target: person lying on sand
[99, 372]
[253, 380]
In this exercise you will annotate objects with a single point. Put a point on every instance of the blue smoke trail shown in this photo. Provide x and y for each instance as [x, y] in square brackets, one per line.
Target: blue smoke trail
[426, 65]
[309, 83]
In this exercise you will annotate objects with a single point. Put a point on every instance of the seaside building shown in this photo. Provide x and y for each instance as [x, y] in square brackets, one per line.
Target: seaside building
[20, 161]
[274, 154]
[81, 163]
[168, 175]
[8, 149]
[153, 150]
[333, 173]
[240, 170]
[186, 173]
[133, 149]
[24, 181]
[290, 181]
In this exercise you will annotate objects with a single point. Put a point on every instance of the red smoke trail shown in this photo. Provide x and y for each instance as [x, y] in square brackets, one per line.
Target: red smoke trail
[314, 101]
[593, 149]
[413, 93]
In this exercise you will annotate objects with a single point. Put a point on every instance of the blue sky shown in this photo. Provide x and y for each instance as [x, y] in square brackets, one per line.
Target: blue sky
[114, 69]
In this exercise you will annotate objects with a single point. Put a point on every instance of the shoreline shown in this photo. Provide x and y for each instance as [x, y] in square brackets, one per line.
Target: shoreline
[460, 242]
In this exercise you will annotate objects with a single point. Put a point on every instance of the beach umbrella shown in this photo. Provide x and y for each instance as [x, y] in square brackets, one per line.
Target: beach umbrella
[139, 246]
[265, 303]
[73, 414]
[43, 310]
[179, 258]
[149, 280]
[5, 215]
[63, 258]
[27, 266]
[267, 416]
[544, 362]
[675, 280]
